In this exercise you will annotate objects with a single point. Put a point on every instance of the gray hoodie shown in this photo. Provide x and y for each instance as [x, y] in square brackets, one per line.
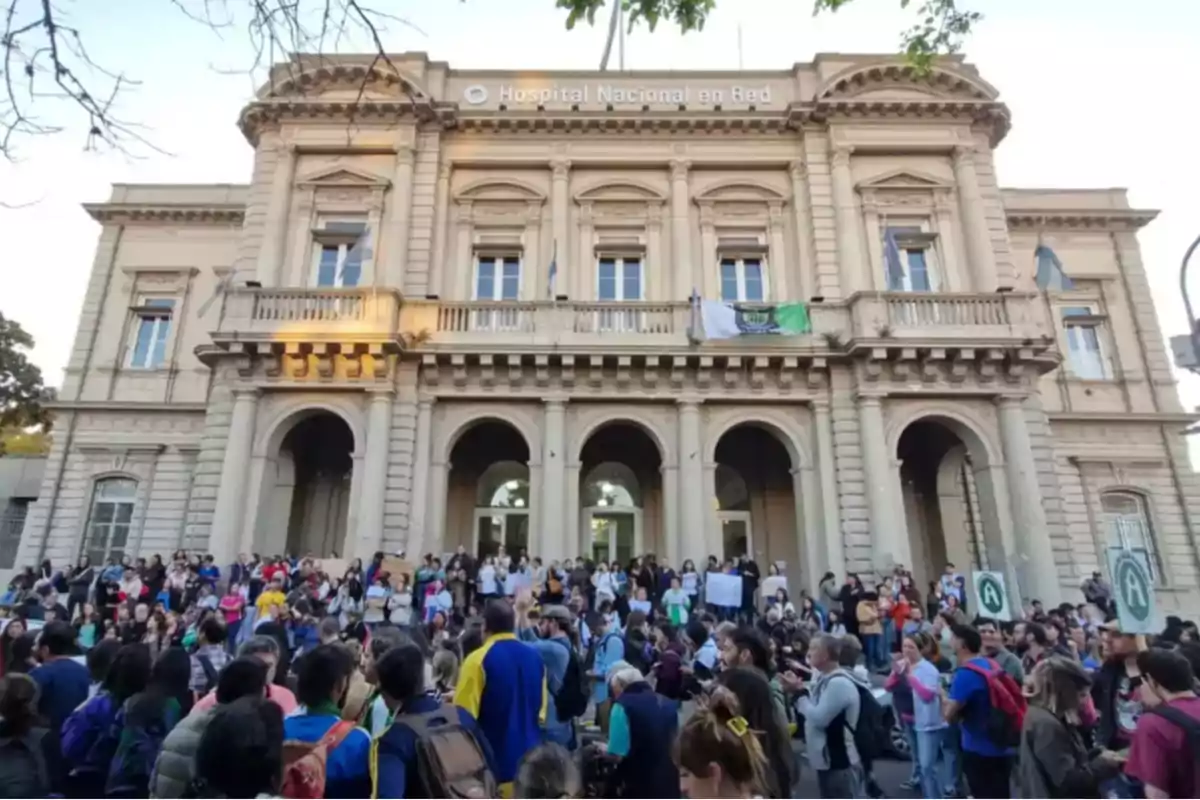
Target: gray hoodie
[828, 696]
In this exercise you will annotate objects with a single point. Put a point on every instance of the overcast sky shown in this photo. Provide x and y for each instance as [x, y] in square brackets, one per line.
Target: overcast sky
[1101, 93]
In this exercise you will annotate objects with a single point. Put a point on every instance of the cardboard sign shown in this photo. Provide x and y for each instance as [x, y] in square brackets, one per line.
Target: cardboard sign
[395, 566]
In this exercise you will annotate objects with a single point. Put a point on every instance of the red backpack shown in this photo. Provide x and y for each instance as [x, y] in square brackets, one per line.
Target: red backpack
[305, 763]
[1006, 704]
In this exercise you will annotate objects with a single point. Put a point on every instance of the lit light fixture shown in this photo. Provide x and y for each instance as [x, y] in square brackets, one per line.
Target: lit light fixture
[606, 487]
[519, 502]
[512, 485]
[602, 501]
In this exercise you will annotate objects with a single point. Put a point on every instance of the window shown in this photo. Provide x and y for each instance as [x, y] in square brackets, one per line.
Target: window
[908, 258]
[342, 245]
[12, 523]
[1085, 351]
[110, 518]
[619, 279]
[498, 277]
[743, 280]
[152, 330]
[1128, 524]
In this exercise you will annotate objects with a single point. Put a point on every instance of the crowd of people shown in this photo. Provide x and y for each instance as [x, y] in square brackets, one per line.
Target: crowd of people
[507, 676]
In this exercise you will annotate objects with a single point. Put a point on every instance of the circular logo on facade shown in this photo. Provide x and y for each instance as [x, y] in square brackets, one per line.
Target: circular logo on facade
[991, 595]
[475, 94]
[1133, 587]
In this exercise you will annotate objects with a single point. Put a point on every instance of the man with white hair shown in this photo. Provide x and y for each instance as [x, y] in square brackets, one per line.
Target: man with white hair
[641, 733]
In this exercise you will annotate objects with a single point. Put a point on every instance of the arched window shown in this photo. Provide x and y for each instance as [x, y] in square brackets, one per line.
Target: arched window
[1127, 521]
[110, 518]
[505, 484]
[732, 493]
[611, 485]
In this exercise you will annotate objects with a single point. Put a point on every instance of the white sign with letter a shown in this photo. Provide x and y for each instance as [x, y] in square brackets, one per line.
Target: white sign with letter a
[991, 595]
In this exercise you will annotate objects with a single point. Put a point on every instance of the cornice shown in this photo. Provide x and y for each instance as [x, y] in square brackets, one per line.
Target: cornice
[992, 116]
[215, 213]
[620, 122]
[125, 405]
[1127, 219]
[262, 115]
[1154, 418]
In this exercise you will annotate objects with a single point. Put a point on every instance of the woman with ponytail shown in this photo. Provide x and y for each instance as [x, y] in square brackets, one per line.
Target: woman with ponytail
[719, 755]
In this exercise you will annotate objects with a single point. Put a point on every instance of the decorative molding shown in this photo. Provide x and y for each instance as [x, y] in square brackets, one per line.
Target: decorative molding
[216, 213]
[938, 81]
[343, 177]
[1089, 219]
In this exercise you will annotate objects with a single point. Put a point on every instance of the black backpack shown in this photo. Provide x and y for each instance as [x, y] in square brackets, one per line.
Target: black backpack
[571, 700]
[23, 771]
[210, 673]
[871, 736]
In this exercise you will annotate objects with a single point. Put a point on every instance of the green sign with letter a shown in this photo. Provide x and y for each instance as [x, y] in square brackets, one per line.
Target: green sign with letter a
[1133, 588]
[991, 595]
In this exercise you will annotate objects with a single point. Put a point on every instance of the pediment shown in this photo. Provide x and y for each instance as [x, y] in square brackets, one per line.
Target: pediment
[498, 189]
[348, 80]
[343, 177]
[621, 192]
[740, 192]
[900, 82]
[904, 179]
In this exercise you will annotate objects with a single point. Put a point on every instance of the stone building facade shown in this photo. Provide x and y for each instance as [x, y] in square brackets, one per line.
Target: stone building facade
[455, 307]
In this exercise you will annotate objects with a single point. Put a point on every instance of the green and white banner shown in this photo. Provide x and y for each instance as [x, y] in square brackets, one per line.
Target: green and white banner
[720, 320]
[991, 595]
[1133, 587]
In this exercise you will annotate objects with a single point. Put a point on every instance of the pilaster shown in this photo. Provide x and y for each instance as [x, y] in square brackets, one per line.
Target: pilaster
[227, 533]
[850, 256]
[550, 537]
[692, 494]
[369, 535]
[400, 218]
[974, 219]
[685, 279]
[560, 174]
[806, 255]
[274, 241]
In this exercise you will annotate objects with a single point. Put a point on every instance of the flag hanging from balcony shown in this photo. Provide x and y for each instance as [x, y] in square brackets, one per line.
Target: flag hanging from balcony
[891, 259]
[1050, 274]
[553, 279]
[725, 320]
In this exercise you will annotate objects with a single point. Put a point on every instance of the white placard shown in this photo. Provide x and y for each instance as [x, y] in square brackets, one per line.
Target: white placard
[723, 590]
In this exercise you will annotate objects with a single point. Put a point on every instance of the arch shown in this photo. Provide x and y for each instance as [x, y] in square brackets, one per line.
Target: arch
[270, 436]
[497, 482]
[605, 418]
[622, 189]
[625, 490]
[973, 432]
[477, 189]
[308, 79]
[782, 425]
[854, 80]
[459, 420]
[735, 189]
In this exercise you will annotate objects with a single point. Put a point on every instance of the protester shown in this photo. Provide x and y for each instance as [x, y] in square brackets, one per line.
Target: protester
[1164, 754]
[718, 755]
[547, 771]
[640, 734]
[25, 747]
[248, 733]
[830, 708]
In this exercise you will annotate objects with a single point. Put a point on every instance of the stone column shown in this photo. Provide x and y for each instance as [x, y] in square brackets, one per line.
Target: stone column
[712, 536]
[974, 221]
[225, 534]
[560, 209]
[780, 287]
[654, 273]
[708, 281]
[572, 544]
[586, 290]
[464, 258]
[670, 518]
[691, 478]
[831, 520]
[534, 289]
[419, 500]
[554, 435]
[435, 516]
[806, 256]
[275, 226]
[441, 220]
[399, 219]
[887, 533]
[804, 495]
[1025, 497]
[876, 271]
[369, 535]
[851, 258]
[684, 272]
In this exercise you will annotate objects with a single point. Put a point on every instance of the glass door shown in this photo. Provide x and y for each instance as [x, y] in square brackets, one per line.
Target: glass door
[613, 536]
[508, 528]
[735, 534]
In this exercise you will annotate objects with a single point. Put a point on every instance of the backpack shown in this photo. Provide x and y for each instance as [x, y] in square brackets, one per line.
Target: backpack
[210, 674]
[571, 699]
[871, 737]
[1006, 705]
[1181, 719]
[23, 770]
[450, 761]
[304, 763]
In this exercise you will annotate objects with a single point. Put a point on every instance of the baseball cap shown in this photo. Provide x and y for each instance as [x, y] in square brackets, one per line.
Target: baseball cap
[557, 613]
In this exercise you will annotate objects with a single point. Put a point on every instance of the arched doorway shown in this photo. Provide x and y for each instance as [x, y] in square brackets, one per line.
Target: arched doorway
[312, 487]
[944, 501]
[755, 498]
[488, 499]
[620, 494]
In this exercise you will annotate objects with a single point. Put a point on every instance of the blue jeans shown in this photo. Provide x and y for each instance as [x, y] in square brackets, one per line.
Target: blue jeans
[873, 650]
[910, 733]
[952, 752]
[931, 754]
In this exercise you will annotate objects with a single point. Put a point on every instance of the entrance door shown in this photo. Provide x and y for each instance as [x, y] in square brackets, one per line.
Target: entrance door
[613, 535]
[736, 539]
[495, 527]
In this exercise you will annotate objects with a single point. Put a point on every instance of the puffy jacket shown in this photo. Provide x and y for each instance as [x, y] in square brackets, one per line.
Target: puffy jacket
[175, 766]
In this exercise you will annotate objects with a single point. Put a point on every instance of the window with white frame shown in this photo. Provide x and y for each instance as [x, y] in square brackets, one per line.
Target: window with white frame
[743, 279]
[152, 331]
[619, 278]
[110, 519]
[1127, 520]
[341, 245]
[910, 258]
[1083, 330]
[497, 276]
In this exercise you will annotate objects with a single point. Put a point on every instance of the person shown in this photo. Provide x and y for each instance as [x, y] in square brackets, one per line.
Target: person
[63, 685]
[1116, 689]
[174, 769]
[210, 657]
[719, 756]
[551, 639]
[377, 717]
[830, 710]
[929, 729]
[1163, 754]
[144, 722]
[266, 650]
[548, 771]
[232, 606]
[641, 731]
[322, 680]
[1053, 760]
[79, 585]
[993, 648]
[607, 649]
[401, 675]
[768, 723]
[247, 732]
[986, 763]
[24, 745]
[503, 686]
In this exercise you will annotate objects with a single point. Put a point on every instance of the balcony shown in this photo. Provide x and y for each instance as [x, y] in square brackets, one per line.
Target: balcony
[940, 320]
[312, 315]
